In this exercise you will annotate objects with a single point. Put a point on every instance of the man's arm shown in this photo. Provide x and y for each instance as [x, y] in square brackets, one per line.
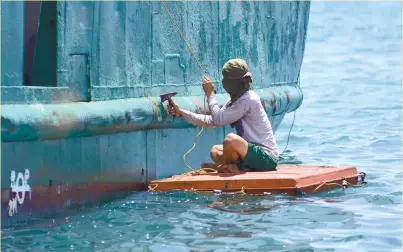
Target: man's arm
[226, 115]
[197, 119]
[219, 116]
[190, 117]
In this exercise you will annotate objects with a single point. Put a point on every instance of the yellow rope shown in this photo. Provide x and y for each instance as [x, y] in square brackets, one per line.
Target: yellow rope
[357, 185]
[152, 188]
[324, 183]
[243, 190]
[194, 145]
[183, 37]
[193, 171]
[202, 171]
[337, 184]
[155, 107]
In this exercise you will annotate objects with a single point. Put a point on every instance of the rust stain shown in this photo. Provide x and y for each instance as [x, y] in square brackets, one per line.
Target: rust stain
[288, 96]
[128, 117]
[198, 106]
[60, 195]
[12, 127]
[263, 104]
[273, 102]
[156, 110]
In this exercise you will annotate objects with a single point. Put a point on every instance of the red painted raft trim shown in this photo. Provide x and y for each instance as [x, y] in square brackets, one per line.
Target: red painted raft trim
[290, 179]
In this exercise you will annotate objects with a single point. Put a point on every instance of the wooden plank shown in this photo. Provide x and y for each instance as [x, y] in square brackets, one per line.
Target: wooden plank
[290, 179]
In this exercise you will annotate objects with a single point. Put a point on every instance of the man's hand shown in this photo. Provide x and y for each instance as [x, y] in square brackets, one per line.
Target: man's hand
[174, 110]
[208, 86]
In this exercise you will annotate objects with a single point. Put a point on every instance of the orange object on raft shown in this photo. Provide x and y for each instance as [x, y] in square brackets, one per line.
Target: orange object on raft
[287, 179]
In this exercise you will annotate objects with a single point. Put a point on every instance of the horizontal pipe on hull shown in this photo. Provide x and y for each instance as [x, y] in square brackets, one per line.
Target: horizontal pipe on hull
[59, 121]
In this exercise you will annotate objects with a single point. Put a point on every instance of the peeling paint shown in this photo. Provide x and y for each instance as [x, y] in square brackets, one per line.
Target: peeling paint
[198, 106]
[96, 118]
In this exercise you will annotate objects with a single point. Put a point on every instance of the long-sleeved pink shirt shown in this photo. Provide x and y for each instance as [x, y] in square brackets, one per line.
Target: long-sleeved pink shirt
[251, 121]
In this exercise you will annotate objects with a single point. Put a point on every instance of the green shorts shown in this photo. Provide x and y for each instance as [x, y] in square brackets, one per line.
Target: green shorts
[257, 160]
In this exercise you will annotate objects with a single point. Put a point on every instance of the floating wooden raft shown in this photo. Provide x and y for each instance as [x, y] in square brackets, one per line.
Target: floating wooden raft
[289, 179]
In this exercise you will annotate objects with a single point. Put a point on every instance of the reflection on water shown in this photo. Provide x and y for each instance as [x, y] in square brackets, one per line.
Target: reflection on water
[239, 205]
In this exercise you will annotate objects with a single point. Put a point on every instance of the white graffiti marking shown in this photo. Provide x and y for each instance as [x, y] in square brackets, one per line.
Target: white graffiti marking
[12, 207]
[20, 187]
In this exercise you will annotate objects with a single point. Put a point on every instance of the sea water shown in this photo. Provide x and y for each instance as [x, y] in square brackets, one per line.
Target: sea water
[351, 115]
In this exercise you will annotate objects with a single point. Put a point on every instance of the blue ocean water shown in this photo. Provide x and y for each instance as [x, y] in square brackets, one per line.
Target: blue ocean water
[351, 115]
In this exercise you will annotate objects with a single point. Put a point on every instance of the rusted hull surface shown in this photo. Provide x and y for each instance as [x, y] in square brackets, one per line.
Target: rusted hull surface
[53, 198]
[290, 179]
[60, 173]
[89, 168]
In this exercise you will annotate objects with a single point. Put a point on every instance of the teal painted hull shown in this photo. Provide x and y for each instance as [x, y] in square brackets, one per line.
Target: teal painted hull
[98, 127]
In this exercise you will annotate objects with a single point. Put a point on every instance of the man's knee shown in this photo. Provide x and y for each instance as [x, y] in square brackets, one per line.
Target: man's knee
[237, 144]
[233, 140]
[215, 150]
[213, 153]
[230, 138]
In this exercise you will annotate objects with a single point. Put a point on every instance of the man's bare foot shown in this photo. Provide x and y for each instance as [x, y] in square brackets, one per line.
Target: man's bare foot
[209, 165]
[225, 168]
[216, 167]
[230, 168]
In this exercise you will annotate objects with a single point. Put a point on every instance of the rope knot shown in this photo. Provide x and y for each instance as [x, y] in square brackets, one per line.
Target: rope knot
[151, 188]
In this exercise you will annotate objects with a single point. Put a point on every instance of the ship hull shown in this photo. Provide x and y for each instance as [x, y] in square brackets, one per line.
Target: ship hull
[99, 128]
